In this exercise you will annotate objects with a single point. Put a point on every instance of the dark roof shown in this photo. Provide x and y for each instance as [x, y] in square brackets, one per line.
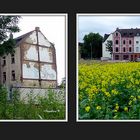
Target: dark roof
[20, 38]
[105, 37]
[129, 32]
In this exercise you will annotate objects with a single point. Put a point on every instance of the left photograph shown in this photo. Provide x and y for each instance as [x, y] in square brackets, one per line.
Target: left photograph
[33, 67]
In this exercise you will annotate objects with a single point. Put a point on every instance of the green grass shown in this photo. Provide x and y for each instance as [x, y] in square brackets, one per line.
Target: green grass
[49, 108]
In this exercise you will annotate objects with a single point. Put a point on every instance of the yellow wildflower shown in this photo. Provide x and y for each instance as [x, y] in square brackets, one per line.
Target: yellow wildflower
[98, 107]
[126, 109]
[87, 108]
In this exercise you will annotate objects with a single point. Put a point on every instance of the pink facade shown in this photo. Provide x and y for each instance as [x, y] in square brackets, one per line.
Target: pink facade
[123, 47]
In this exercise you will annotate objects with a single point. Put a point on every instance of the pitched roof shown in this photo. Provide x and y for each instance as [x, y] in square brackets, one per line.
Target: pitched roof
[105, 37]
[129, 32]
[22, 37]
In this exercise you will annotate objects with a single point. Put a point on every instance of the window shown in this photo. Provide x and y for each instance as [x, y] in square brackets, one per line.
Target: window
[116, 41]
[116, 34]
[130, 42]
[123, 41]
[117, 49]
[137, 42]
[125, 57]
[4, 60]
[123, 49]
[116, 57]
[130, 49]
[4, 77]
[13, 75]
[12, 58]
[137, 49]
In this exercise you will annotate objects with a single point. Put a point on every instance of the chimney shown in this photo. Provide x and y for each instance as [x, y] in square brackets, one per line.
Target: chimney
[37, 28]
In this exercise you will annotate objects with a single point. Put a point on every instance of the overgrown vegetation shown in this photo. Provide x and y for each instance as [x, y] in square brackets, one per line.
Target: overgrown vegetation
[47, 108]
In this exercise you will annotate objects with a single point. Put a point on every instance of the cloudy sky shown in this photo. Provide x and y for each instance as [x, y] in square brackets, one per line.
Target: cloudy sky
[102, 24]
[53, 26]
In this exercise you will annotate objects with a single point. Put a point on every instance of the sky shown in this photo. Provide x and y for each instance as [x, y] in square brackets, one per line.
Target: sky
[53, 26]
[105, 24]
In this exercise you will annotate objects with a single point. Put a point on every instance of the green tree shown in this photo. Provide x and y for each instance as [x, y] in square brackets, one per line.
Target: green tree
[8, 25]
[92, 46]
[109, 46]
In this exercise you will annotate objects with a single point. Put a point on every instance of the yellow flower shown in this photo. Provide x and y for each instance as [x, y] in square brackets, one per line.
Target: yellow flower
[98, 107]
[87, 108]
[138, 96]
[103, 90]
[117, 107]
[115, 110]
[126, 109]
[137, 82]
[114, 91]
[107, 94]
[130, 102]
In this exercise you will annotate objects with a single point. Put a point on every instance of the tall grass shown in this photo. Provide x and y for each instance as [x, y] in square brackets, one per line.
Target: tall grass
[47, 108]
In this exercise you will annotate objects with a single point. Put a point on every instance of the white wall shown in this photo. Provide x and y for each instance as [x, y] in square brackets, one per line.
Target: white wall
[106, 53]
[136, 38]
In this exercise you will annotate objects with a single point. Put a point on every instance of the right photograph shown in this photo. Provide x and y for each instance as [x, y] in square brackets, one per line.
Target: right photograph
[108, 67]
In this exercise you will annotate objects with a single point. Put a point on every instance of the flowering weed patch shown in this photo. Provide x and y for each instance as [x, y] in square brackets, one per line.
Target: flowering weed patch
[109, 91]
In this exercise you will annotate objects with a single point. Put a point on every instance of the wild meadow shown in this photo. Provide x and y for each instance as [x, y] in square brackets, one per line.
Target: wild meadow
[109, 91]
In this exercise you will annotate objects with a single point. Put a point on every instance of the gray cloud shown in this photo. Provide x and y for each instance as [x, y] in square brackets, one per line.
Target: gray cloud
[105, 24]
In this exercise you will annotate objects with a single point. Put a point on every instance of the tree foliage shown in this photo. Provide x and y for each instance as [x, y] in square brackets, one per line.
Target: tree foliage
[8, 25]
[109, 46]
[92, 46]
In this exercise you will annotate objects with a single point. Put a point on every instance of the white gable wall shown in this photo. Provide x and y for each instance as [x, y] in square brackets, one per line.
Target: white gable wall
[106, 53]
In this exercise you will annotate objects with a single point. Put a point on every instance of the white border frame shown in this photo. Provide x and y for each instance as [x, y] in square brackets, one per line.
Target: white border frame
[66, 65]
[77, 109]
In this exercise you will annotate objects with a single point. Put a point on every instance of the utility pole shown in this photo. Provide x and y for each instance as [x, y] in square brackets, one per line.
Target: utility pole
[91, 50]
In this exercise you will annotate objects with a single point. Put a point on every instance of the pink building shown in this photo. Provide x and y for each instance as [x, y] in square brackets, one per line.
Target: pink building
[126, 44]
